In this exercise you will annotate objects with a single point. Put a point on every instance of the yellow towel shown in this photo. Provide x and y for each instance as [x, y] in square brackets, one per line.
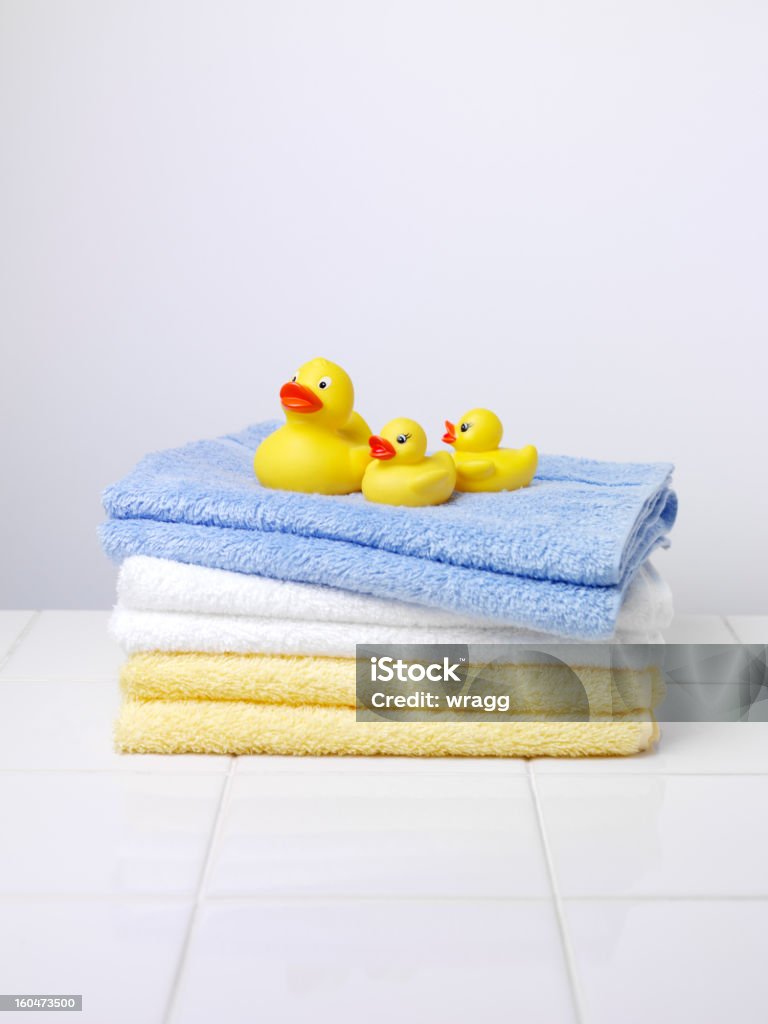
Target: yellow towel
[284, 679]
[240, 727]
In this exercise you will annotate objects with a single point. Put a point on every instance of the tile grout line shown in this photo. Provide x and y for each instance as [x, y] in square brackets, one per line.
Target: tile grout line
[281, 898]
[671, 897]
[84, 896]
[567, 950]
[97, 680]
[216, 828]
[683, 773]
[730, 628]
[165, 773]
[222, 772]
[324, 899]
[19, 639]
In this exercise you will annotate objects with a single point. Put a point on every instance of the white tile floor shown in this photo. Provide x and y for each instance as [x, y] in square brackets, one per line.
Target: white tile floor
[194, 889]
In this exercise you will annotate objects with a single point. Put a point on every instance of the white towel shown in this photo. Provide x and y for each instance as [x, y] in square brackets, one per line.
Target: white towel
[243, 634]
[158, 585]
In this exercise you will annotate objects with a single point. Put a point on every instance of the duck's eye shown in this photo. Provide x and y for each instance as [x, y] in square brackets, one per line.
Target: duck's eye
[402, 438]
[464, 428]
[323, 383]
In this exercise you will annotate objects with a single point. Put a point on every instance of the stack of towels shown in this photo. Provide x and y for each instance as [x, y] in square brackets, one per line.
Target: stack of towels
[240, 607]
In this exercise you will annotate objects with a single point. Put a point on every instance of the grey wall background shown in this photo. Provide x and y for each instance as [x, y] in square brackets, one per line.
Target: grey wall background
[555, 209]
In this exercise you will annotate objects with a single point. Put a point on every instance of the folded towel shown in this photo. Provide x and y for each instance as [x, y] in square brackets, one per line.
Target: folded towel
[555, 557]
[580, 521]
[242, 634]
[232, 727]
[557, 608]
[544, 689]
[157, 584]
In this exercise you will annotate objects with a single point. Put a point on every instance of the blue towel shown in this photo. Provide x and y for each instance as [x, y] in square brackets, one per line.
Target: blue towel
[556, 556]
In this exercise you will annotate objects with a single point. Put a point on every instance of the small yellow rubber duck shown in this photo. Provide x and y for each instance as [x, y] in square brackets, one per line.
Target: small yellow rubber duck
[402, 473]
[323, 447]
[480, 464]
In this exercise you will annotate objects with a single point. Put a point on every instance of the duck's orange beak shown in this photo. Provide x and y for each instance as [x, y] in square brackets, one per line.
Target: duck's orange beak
[449, 437]
[297, 398]
[381, 448]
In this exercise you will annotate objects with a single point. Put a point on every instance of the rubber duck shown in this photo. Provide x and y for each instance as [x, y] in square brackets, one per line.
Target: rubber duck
[323, 447]
[480, 464]
[402, 473]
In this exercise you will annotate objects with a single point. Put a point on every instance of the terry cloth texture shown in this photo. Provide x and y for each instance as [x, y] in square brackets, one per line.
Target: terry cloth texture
[157, 584]
[554, 557]
[560, 609]
[232, 727]
[241, 634]
[543, 689]
[174, 631]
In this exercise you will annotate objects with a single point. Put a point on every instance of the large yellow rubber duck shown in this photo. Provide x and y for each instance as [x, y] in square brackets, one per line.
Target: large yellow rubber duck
[480, 464]
[323, 447]
[402, 473]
